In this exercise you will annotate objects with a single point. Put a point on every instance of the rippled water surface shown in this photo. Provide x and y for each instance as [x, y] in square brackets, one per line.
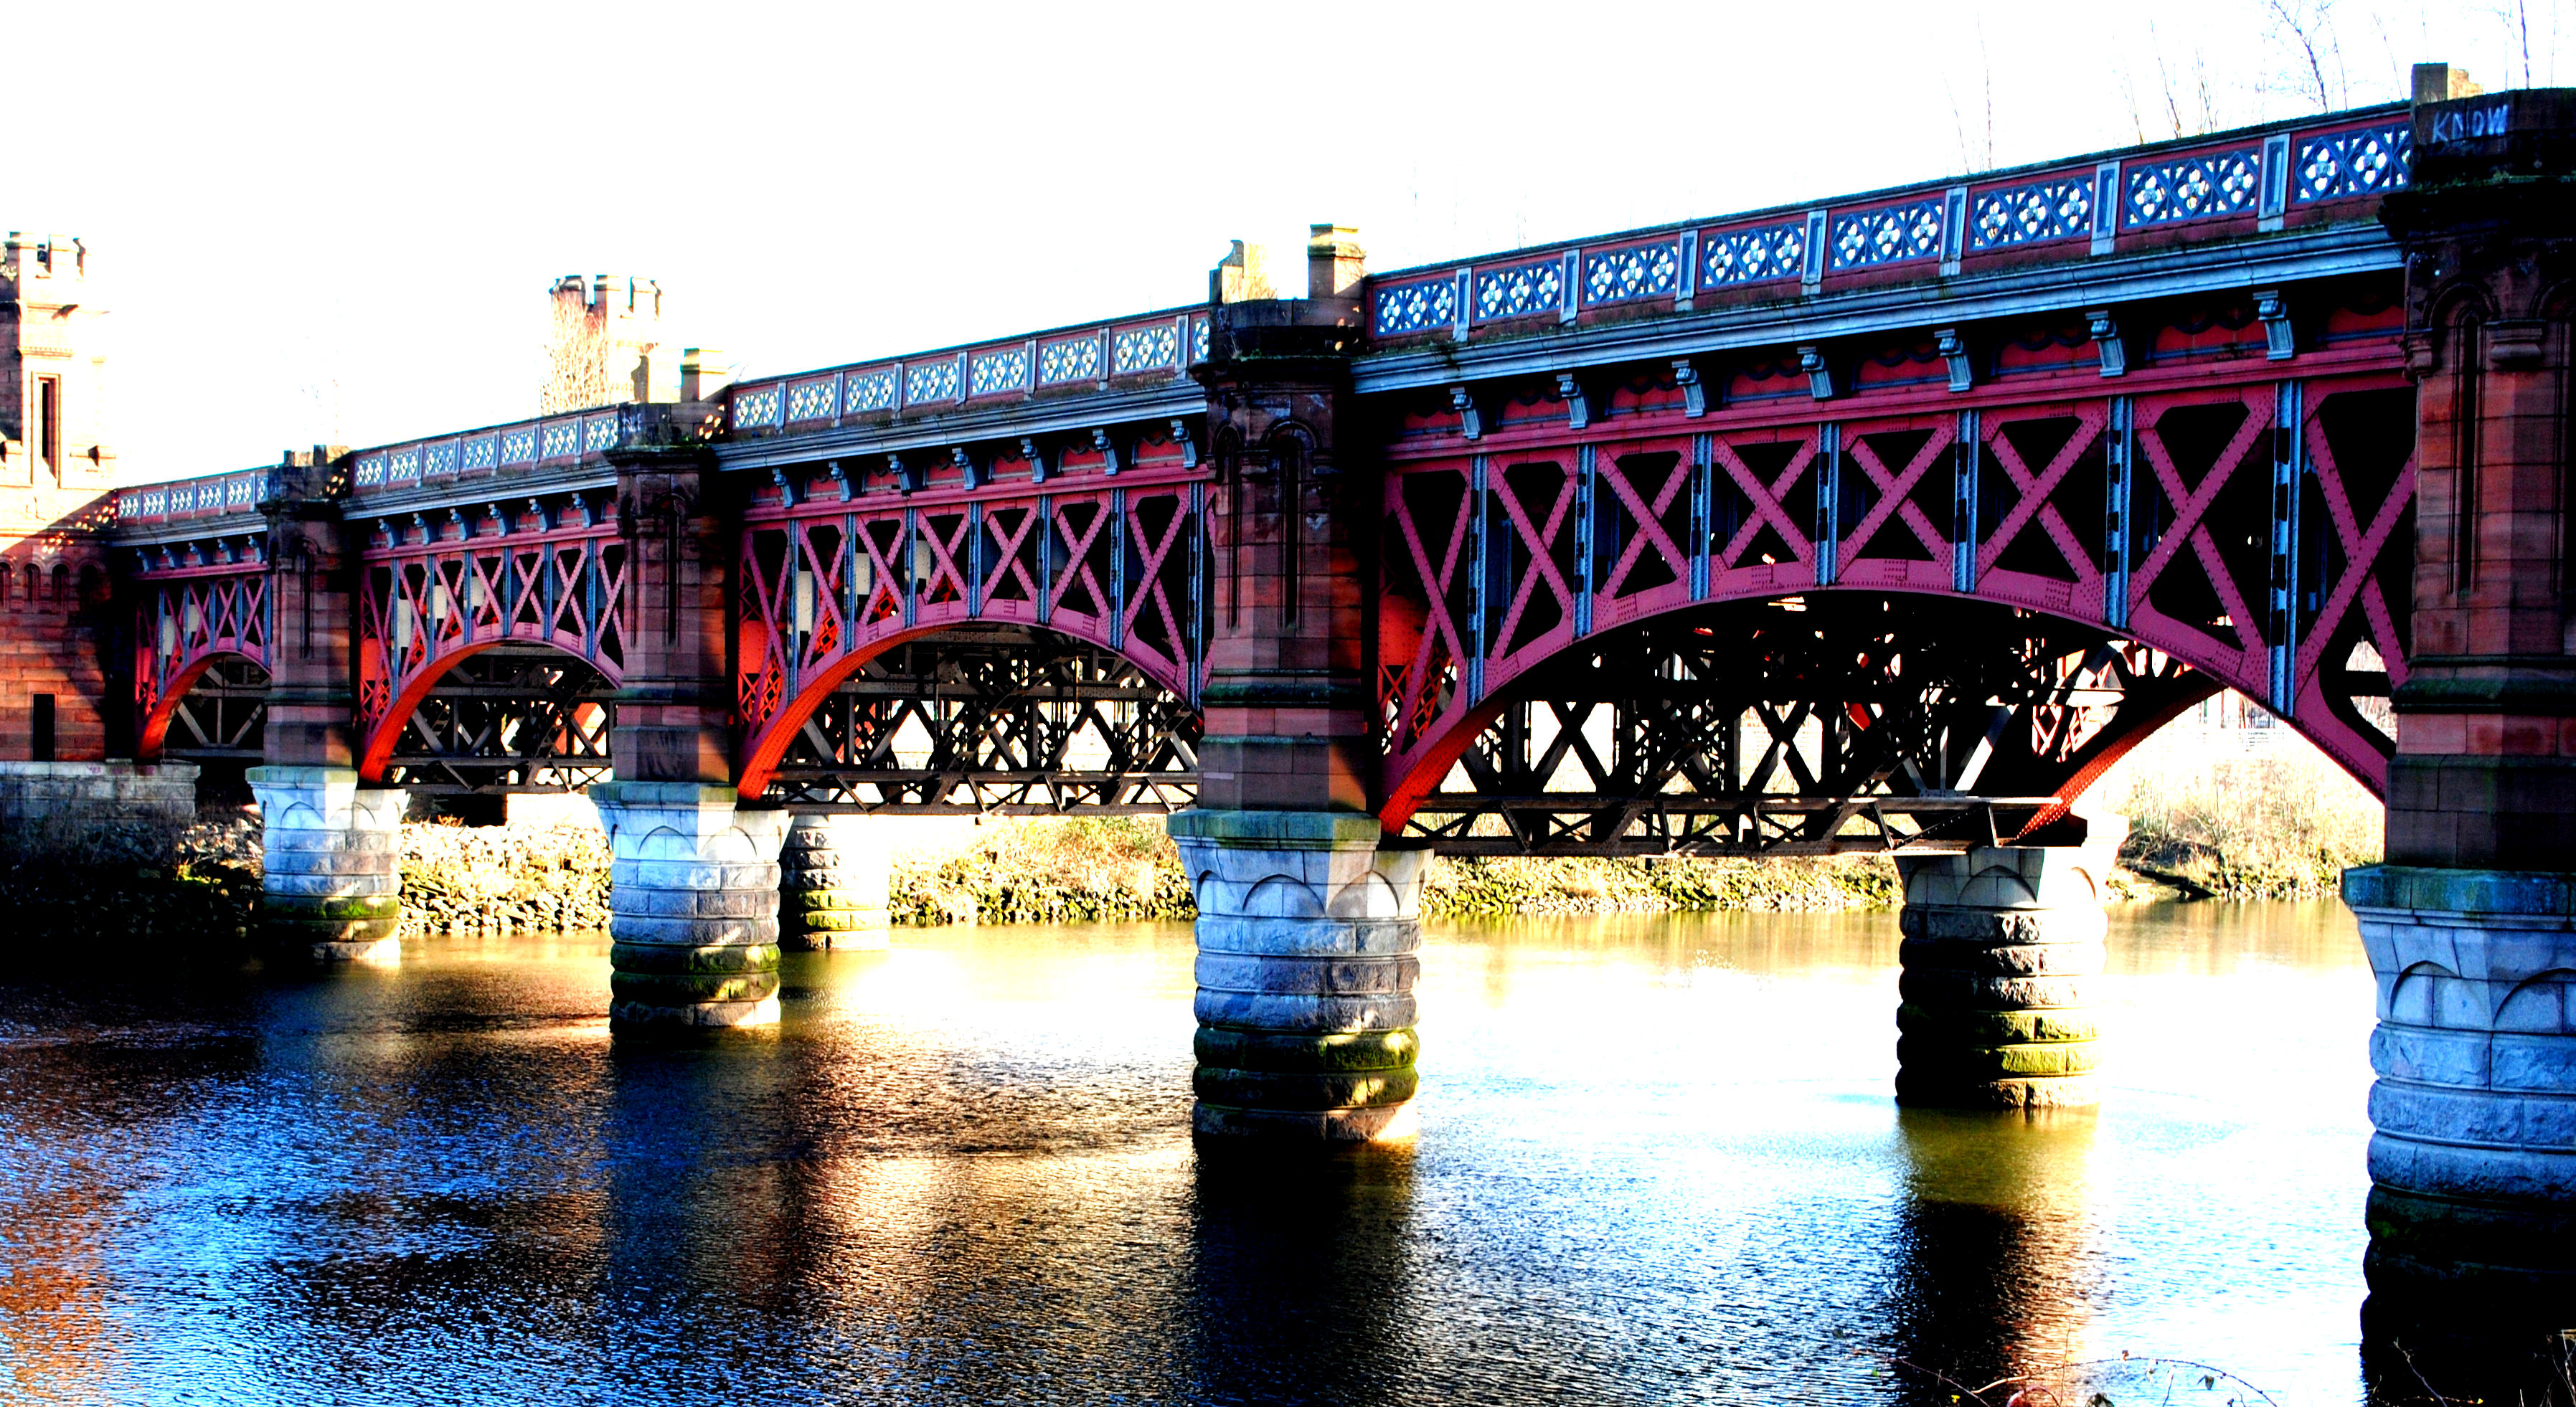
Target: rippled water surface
[1657, 1162]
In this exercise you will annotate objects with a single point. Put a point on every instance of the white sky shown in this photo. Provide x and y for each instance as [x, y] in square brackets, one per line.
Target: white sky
[337, 222]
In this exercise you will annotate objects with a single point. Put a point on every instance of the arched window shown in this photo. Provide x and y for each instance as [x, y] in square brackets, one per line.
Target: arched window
[60, 588]
[28, 576]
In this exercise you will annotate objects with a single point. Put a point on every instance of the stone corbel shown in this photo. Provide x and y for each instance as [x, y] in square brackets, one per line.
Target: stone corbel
[2108, 342]
[969, 472]
[2422, 349]
[1108, 449]
[1694, 390]
[2280, 336]
[1953, 348]
[1820, 377]
[428, 534]
[840, 479]
[2515, 345]
[1036, 459]
[1189, 450]
[500, 519]
[1471, 417]
[1578, 407]
[580, 503]
[786, 487]
[464, 525]
[546, 521]
[393, 537]
[907, 479]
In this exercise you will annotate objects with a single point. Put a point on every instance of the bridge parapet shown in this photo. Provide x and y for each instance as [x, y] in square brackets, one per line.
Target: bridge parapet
[2136, 201]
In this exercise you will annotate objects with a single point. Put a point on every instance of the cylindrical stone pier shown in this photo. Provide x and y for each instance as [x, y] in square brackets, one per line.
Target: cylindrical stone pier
[329, 853]
[2002, 953]
[2473, 1161]
[833, 874]
[1306, 937]
[692, 906]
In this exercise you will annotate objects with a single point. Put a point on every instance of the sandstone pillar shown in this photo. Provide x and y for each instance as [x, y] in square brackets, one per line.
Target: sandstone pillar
[2473, 1165]
[693, 879]
[693, 906]
[2002, 964]
[1306, 935]
[1306, 927]
[833, 875]
[329, 849]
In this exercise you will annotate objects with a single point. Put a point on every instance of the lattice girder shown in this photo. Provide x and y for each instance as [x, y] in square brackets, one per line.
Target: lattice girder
[508, 718]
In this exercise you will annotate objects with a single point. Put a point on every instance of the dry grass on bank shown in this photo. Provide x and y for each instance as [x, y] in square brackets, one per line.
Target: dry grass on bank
[489, 878]
[2282, 826]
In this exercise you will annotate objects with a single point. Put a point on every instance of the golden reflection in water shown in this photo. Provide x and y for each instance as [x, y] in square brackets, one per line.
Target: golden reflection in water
[1995, 1241]
[59, 1340]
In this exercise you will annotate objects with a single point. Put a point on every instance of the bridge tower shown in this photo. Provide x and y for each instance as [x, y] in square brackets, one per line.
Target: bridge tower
[59, 663]
[2471, 922]
[1307, 922]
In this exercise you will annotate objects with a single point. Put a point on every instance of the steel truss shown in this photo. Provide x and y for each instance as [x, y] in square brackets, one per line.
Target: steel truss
[223, 715]
[514, 718]
[1830, 725]
[994, 720]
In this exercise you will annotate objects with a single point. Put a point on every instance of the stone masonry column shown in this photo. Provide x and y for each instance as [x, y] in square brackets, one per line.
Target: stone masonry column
[329, 840]
[2002, 961]
[1306, 926]
[693, 906]
[2467, 923]
[329, 849]
[833, 877]
[2473, 1165]
[693, 879]
[1306, 935]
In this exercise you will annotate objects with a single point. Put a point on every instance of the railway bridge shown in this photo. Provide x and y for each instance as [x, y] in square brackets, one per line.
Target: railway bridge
[1883, 523]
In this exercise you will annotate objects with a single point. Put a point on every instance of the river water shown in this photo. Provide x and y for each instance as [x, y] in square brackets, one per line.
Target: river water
[1657, 1163]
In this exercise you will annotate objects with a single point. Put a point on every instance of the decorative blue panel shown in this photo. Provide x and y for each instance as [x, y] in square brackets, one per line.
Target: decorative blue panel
[1622, 274]
[440, 459]
[598, 434]
[520, 446]
[1144, 349]
[482, 453]
[1416, 307]
[557, 438]
[1751, 256]
[812, 400]
[403, 463]
[1888, 235]
[865, 391]
[1511, 293]
[371, 471]
[242, 492]
[930, 381]
[752, 410]
[2044, 210]
[991, 373]
[2193, 188]
[1077, 360]
[1198, 339]
[2369, 162]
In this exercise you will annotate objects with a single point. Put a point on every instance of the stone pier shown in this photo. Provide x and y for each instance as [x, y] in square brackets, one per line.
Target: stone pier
[2002, 956]
[2473, 1162]
[693, 906]
[330, 852]
[1306, 937]
[833, 875]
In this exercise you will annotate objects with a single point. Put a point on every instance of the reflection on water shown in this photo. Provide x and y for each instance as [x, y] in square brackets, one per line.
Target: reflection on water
[1658, 1162]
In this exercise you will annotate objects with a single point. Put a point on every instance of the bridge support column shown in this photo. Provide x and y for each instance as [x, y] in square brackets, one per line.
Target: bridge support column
[2473, 1164]
[692, 906]
[1306, 937]
[833, 875]
[2002, 956]
[329, 849]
